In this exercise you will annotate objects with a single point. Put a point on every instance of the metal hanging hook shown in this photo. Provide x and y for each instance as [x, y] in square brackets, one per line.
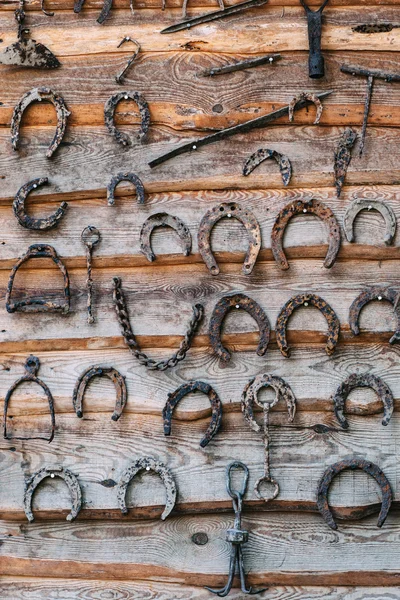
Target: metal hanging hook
[120, 77]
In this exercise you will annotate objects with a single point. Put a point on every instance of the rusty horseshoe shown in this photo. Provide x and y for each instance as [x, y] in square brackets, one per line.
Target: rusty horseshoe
[376, 293]
[364, 204]
[353, 463]
[97, 371]
[314, 207]
[38, 95]
[363, 380]
[57, 471]
[163, 220]
[262, 154]
[184, 390]
[246, 217]
[223, 306]
[109, 110]
[311, 98]
[134, 179]
[305, 300]
[105, 11]
[147, 463]
[29, 222]
[39, 304]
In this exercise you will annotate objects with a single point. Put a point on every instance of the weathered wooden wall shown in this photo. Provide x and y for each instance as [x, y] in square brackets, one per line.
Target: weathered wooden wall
[104, 555]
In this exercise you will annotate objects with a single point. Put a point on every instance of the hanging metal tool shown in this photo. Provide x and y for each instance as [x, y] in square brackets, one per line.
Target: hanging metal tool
[90, 237]
[236, 536]
[343, 157]
[56, 471]
[316, 63]
[371, 75]
[268, 59]
[120, 77]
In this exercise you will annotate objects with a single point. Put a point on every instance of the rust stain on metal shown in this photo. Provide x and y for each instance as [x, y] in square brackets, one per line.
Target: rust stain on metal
[164, 220]
[39, 304]
[109, 111]
[343, 157]
[313, 207]
[374, 28]
[134, 179]
[120, 77]
[262, 154]
[305, 300]
[267, 59]
[98, 371]
[311, 98]
[246, 217]
[223, 306]
[390, 294]
[316, 63]
[364, 204]
[56, 471]
[184, 390]
[29, 222]
[363, 380]
[32, 365]
[353, 463]
[90, 237]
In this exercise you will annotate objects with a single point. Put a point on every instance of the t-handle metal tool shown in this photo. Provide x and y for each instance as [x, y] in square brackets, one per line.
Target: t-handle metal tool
[316, 63]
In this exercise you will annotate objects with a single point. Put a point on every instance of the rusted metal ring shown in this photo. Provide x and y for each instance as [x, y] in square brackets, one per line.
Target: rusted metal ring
[364, 204]
[184, 390]
[246, 217]
[134, 179]
[163, 220]
[109, 110]
[223, 306]
[363, 380]
[262, 154]
[70, 479]
[304, 300]
[266, 479]
[147, 463]
[311, 98]
[37, 95]
[314, 207]
[249, 397]
[39, 304]
[353, 463]
[32, 365]
[29, 222]
[97, 371]
[376, 293]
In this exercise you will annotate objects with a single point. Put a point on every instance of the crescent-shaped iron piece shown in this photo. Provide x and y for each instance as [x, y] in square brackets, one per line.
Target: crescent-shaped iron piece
[343, 157]
[70, 479]
[363, 204]
[97, 371]
[109, 110]
[184, 390]
[29, 222]
[38, 95]
[134, 179]
[353, 463]
[305, 300]
[282, 390]
[310, 98]
[314, 207]
[32, 365]
[223, 306]
[246, 217]
[390, 294]
[363, 380]
[164, 220]
[262, 154]
[39, 304]
[147, 463]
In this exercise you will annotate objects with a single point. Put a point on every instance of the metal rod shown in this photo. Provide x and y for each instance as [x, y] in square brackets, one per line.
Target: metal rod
[239, 66]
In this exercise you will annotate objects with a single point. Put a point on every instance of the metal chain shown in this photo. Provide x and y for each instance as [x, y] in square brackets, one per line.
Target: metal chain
[128, 335]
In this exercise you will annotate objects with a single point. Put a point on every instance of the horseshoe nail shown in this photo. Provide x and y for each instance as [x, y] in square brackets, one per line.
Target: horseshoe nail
[149, 464]
[37, 95]
[97, 371]
[223, 306]
[262, 154]
[384, 209]
[134, 179]
[109, 110]
[300, 300]
[70, 479]
[246, 217]
[184, 390]
[163, 220]
[311, 98]
[314, 207]
[377, 293]
[29, 222]
[343, 157]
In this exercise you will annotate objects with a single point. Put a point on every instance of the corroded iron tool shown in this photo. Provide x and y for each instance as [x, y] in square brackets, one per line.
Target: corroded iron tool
[90, 237]
[268, 59]
[316, 63]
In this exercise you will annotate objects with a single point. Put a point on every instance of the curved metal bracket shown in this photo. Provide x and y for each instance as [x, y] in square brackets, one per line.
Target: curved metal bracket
[70, 479]
[109, 110]
[377, 293]
[353, 463]
[363, 204]
[262, 154]
[363, 380]
[311, 98]
[39, 304]
[32, 365]
[184, 390]
[163, 220]
[134, 179]
[147, 463]
[29, 222]
[246, 217]
[282, 390]
[97, 371]
[223, 306]
[314, 207]
[305, 300]
[38, 95]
